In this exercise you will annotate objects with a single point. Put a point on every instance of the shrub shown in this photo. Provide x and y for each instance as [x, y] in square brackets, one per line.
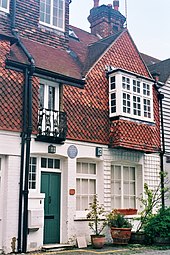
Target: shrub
[158, 225]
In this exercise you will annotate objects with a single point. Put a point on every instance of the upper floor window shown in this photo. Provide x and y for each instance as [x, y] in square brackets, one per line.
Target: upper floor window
[130, 96]
[4, 5]
[52, 13]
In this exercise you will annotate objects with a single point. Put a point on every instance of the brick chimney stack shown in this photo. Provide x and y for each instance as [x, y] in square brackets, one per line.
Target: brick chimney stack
[96, 3]
[116, 5]
[105, 20]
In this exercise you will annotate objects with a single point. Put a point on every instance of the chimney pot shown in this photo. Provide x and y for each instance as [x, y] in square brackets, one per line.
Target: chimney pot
[116, 5]
[96, 3]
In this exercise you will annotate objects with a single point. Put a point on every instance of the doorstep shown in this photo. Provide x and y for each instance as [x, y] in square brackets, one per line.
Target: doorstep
[53, 247]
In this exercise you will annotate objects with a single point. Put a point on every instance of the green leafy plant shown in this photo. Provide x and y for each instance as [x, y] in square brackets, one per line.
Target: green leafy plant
[158, 225]
[151, 200]
[96, 216]
[117, 220]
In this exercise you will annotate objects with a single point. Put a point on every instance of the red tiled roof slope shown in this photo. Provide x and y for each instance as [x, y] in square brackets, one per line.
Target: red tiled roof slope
[56, 60]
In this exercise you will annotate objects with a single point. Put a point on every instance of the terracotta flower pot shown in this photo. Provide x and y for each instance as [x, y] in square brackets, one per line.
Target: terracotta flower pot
[98, 241]
[120, 235]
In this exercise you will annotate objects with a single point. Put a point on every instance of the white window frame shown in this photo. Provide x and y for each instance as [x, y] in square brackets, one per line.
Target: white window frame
[121, 89]
[46, 84]
[51, 18]
[81, 176]
[31, 173]
[4, 9]
[121, 183]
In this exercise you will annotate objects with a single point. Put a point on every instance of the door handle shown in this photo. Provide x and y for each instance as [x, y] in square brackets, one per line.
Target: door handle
[49, 199]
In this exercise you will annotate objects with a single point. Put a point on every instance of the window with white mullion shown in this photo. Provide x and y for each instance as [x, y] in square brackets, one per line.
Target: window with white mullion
[130, 96]
[49, 95]
[52, 13]
[4, 5]
[147, 107]
[126, 103]
[129, 190]
[32, 173]
[137, 105]
[85, 185]
[123, 187]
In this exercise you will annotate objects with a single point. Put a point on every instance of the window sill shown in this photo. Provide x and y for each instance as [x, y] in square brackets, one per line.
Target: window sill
[139, 121]
[45, 28]
[80, 219]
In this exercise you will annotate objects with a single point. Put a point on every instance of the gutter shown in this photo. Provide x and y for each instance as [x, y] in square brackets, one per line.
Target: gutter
[79, 83]
[25, 138]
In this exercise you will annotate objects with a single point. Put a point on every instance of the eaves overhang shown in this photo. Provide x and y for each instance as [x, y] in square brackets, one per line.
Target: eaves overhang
[7, 37]
[67, 80]
[115, 70]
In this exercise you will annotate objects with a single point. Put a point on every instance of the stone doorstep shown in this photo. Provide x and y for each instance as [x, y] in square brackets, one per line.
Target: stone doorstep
[57, 247]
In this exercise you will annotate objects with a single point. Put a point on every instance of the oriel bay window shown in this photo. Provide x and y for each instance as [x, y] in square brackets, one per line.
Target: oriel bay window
[130, 96]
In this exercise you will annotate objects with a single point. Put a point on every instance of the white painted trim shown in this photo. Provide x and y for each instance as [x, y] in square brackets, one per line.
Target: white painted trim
[4, 9]
[119, 96]
[51, 19]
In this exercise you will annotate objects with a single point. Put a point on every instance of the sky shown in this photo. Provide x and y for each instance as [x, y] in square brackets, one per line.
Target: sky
[148, 22]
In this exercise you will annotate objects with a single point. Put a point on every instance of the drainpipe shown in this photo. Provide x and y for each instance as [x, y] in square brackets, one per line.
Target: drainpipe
[162, 152]
[25, 137]
[161, 97]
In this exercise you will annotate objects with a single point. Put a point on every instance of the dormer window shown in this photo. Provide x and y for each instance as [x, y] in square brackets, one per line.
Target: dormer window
[52, 13]
[4, 5]
[130, 96]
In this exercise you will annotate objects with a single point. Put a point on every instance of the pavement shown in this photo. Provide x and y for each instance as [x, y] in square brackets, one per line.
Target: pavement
[111, 250]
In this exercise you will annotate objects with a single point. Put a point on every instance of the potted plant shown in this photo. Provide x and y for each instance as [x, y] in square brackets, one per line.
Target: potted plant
[120, 227]
[97, 222]
[157, 230]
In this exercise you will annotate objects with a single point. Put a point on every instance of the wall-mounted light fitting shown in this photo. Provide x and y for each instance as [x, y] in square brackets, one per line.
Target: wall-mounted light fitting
[99, 151]
[51, 149]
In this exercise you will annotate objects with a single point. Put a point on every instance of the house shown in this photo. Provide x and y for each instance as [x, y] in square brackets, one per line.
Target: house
[163, 69]
[79, 116]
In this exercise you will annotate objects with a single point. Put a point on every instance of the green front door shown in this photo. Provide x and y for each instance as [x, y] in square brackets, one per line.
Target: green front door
[51, 185]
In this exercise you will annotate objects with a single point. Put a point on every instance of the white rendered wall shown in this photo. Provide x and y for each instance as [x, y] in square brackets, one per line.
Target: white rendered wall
[72, 224]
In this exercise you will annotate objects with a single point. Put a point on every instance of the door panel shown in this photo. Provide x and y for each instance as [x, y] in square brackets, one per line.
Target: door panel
[50, 185]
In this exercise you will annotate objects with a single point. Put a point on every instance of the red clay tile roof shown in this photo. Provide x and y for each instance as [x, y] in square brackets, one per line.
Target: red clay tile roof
[89, 51]
[56, 60]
